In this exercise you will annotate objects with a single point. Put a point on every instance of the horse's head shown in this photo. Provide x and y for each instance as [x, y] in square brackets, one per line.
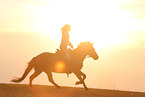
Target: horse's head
[88, 48]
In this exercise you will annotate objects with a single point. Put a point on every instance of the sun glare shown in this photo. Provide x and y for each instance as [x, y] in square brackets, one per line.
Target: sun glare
[102, 23]
[59, 66]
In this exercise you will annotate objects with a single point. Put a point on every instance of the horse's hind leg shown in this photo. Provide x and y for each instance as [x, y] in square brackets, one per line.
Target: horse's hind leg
[35, 74]
[49, 74]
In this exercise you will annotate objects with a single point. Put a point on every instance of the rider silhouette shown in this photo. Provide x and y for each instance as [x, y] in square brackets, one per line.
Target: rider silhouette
[65, 40]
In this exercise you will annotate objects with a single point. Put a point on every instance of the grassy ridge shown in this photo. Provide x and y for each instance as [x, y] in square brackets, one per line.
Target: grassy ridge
[19, 90]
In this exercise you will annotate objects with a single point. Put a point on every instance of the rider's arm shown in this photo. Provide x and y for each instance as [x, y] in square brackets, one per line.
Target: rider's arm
[70, 44]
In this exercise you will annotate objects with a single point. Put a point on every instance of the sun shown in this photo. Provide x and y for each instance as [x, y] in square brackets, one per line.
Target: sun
[105, 24]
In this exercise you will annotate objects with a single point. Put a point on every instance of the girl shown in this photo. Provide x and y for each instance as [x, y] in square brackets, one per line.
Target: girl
[65, 40]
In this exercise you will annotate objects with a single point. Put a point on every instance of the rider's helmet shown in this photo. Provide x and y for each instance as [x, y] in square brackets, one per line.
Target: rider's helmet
[66, 27]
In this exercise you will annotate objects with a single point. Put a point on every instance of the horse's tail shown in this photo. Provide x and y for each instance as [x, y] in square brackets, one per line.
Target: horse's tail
[28, 69]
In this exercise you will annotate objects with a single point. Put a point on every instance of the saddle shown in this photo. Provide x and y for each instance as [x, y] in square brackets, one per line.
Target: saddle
[59, 52]
[62, 53]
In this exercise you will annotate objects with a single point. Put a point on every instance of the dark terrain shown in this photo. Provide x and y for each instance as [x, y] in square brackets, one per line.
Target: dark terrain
[20, 90]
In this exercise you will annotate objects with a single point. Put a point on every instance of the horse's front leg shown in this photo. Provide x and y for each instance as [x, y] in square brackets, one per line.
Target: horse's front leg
[49, 74]
[84, 76]
[82, 79]
[78, 74]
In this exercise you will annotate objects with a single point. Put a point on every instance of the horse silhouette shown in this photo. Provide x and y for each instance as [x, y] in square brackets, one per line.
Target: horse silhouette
[54, 62]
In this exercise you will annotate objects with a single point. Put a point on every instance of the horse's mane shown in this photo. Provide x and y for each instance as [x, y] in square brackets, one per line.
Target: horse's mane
[84, 45]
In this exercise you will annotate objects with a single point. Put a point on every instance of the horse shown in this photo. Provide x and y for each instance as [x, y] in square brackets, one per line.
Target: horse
[55, 62]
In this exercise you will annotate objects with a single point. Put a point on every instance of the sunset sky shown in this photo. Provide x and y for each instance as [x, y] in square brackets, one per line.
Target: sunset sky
[117, 28]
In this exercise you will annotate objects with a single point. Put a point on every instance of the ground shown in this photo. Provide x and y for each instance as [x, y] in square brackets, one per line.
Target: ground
[20, 90]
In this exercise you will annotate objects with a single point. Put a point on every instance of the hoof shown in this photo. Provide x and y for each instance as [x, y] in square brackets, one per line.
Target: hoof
[58, 87]
[78, 82]
[86, 89]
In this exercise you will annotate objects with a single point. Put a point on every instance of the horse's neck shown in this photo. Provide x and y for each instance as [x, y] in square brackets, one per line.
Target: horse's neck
[79, 54]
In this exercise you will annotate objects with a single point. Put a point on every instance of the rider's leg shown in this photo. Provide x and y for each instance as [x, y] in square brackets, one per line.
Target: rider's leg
[67, 56]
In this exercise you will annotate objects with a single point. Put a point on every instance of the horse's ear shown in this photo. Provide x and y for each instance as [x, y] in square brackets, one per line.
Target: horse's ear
[92, 43]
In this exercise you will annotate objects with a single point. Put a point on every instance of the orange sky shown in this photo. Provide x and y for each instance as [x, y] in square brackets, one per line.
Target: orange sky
[116, 27]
